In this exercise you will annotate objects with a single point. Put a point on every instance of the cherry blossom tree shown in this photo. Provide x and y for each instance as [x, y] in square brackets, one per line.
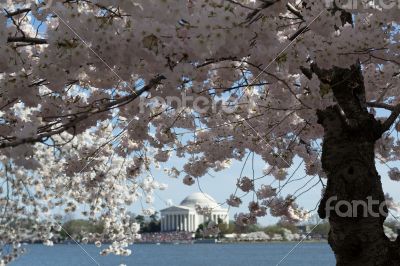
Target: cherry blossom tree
[96, 92]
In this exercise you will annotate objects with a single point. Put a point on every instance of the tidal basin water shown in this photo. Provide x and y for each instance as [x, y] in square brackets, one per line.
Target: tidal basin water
[268, 254]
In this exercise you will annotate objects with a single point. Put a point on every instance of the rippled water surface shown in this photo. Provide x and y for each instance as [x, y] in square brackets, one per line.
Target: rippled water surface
[183, 255]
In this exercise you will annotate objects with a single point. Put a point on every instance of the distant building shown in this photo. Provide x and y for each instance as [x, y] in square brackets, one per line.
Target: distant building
[185, 218]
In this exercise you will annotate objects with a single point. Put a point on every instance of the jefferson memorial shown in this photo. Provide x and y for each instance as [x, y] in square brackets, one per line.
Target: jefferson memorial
[185, 218]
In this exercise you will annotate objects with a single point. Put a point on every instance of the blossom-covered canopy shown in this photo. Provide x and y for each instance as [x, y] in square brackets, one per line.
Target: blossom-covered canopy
[93, 93]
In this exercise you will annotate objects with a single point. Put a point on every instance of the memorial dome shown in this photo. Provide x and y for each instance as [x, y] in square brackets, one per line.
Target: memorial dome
[201, 199]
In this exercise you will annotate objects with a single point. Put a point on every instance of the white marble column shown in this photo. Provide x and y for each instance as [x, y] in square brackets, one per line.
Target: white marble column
[190, 223]
[167, 222]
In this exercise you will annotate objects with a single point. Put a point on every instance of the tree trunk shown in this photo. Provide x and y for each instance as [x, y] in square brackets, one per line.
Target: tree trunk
[353, 199]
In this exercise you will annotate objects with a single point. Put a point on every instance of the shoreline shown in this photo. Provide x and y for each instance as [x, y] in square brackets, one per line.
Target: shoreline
[191, 242]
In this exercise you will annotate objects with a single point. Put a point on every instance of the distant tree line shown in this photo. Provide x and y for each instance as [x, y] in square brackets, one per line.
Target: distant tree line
[150, 225]
[76, 227]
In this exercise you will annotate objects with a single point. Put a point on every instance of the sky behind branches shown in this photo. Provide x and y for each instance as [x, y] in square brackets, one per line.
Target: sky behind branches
[222, 184]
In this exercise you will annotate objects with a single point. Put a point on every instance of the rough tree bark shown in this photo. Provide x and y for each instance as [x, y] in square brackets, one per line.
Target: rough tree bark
[348, 159]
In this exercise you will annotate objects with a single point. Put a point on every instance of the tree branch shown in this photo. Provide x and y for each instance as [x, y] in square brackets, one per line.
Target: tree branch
[17, 12]
[253, 16]
[27, 40]
[294, 11]
[392, 119]
[298, 32]
[239, 4]
[13, 142]
[381, 105]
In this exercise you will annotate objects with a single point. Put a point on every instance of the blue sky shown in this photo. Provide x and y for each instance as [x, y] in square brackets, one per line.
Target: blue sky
[221, 184]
